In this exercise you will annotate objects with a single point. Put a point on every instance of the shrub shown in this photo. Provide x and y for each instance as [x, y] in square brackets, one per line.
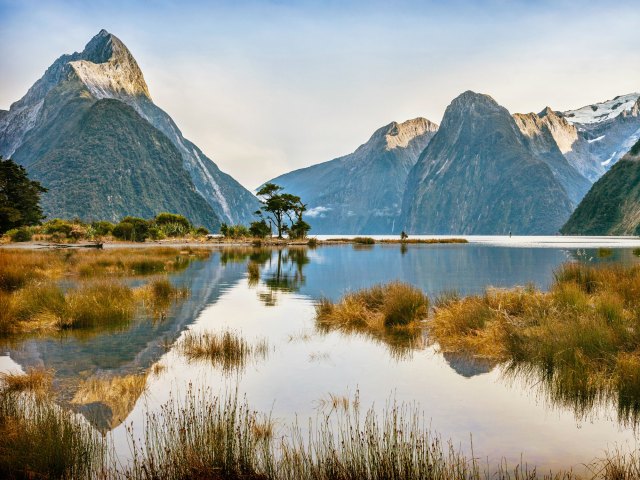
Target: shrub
[102, 228]
[234, 231]
[172, 218]
[22, 234]
[259, 229]
[364, 240]
[59, 226]
[132, 229]
[201, 232]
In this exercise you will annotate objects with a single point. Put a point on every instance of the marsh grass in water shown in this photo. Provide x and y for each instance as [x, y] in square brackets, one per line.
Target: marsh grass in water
[38, 439]
[206, 437]
[392, 313]
[580, 341]
[226, 350]
[34, 380]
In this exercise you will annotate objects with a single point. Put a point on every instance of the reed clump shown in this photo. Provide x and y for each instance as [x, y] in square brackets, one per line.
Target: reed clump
[392, 313]
[158, 294]
[227, 350]
[38, 439]
[34, 380]
[205, 437]
[582, 337]
[364, 240]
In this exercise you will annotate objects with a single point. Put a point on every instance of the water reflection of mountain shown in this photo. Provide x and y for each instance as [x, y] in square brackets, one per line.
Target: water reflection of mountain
[467, 366]
[134, 349]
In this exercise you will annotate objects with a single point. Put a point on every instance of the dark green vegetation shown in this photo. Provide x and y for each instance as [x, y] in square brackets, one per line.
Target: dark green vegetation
[477, 176]
[278, 206]
[19, 198]
[108, 163]
[361, 193]
[133, 229]
[612, 206]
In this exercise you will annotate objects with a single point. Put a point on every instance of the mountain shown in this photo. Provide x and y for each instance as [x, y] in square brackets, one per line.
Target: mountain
[478, 175]
[362, 192]
[605, 131]
[137, 163]
[546, 134]
[612, 206]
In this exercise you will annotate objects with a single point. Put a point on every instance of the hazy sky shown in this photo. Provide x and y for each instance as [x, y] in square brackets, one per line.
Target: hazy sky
[266, 87]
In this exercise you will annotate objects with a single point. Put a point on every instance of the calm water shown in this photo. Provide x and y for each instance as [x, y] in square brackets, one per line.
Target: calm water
[505, 416]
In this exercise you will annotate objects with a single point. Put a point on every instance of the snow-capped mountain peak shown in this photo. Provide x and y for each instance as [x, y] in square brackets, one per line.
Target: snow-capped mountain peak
[599, 112]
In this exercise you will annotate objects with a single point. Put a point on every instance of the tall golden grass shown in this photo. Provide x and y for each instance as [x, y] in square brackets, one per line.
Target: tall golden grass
[581, 338]
[393, 313]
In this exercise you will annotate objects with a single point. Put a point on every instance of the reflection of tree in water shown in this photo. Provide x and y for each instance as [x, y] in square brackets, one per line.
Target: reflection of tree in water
[284, 273]
[281, 270]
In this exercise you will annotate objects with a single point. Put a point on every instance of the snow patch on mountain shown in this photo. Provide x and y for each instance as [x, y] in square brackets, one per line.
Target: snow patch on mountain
[599, 112]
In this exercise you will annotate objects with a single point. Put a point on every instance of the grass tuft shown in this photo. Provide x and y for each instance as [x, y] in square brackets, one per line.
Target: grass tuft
[226, 350]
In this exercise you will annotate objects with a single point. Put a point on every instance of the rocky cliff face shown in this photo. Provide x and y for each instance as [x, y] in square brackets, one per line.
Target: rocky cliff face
[479, 176]
[105, 69]
[361, 193]
[547, 136]
[612, 206]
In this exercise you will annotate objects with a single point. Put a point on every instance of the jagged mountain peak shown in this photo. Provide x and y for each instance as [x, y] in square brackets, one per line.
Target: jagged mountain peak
[548, 112]
[108, 69]
[470, 98]
[399, 135]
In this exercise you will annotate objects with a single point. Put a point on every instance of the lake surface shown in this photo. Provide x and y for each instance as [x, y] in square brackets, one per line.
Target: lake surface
[461, 399]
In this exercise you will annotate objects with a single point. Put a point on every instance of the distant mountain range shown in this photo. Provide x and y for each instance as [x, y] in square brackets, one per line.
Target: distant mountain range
[362, 192]
[89, 131]
[485, 171]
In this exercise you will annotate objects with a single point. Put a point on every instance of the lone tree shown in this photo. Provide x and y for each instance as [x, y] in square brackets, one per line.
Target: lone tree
[19, 197]
[278, 206]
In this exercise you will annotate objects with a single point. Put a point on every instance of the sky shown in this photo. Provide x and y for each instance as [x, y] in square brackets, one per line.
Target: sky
[266, 87]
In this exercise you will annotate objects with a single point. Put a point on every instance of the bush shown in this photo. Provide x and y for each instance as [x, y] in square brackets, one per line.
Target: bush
[234, 231]
[364, 240]
[132, 229]
[59, 226]
[21, 234]
[172, 225]
[259, 229]
[201, 232]
[102, 228]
